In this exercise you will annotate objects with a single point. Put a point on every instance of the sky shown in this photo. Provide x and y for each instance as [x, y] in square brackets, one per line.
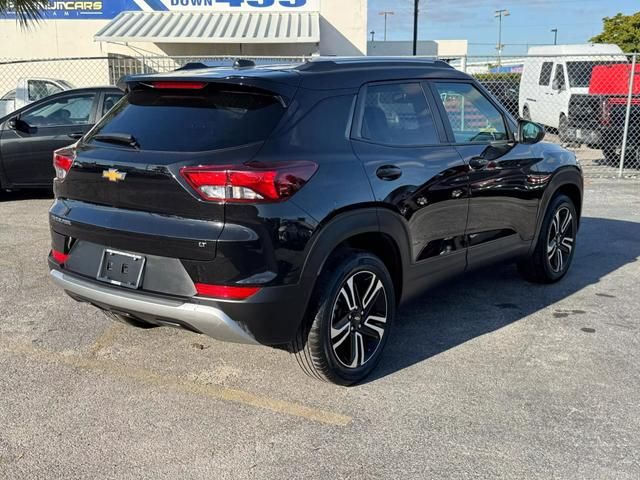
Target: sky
[530, 21]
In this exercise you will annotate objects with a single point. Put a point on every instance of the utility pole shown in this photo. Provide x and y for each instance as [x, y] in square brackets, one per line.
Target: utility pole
[500, 13]
[373, 35]
[555, 35]
[386, 13]
[416, 14]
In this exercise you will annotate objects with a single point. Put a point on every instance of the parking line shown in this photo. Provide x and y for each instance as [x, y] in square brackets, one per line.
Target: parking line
[107, 337]
[169, 381]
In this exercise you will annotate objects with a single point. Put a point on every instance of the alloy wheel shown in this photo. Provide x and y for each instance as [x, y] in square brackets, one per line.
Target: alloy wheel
[359, 317]
[560, 241]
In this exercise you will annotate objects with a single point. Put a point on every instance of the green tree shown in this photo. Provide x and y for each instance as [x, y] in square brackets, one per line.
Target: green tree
[26, 10]
[622, 30]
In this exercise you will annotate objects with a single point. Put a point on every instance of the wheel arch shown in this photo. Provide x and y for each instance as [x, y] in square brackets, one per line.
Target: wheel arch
[372, 229]
[567, 181]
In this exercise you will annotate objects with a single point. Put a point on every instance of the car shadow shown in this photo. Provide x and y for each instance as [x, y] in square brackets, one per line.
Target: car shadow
[487, 300]
[28, 194]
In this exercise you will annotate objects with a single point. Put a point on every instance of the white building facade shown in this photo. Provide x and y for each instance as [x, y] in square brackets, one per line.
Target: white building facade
[189, 27]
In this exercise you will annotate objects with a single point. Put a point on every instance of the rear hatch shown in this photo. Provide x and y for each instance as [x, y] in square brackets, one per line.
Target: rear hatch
[169, 128]
[129, 166]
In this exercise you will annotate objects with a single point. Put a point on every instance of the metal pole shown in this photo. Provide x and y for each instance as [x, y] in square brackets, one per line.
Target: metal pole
[386, 13]
[627, 117]
[500, 40]
[555, 35]
[385, 26]
[415, 28]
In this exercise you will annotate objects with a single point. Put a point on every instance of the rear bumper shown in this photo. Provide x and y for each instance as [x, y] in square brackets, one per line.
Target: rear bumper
[205, 319]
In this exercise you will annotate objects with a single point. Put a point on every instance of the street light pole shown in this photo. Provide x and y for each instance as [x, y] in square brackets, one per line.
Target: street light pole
[555, 35]
[500, 13]
[373, 35]
[416, 13]
[386, 13]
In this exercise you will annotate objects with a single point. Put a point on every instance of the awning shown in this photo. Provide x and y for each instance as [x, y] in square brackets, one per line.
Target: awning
[212, 27]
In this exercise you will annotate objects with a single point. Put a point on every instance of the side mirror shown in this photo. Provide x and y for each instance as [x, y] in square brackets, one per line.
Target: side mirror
[530, 132]
[19, 125]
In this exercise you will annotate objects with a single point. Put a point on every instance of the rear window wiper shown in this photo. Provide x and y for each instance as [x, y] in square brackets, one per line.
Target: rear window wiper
[119, 138]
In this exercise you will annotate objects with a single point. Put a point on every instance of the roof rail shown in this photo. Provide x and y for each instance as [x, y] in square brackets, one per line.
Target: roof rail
[319, 64]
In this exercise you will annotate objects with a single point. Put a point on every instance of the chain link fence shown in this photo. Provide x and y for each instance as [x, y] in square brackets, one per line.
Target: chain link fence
[588, 103]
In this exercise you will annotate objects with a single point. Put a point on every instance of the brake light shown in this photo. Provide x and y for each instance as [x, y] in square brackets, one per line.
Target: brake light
[250, 183]
[63, 161]
[179, 85]
[59, 257]
[225, 292]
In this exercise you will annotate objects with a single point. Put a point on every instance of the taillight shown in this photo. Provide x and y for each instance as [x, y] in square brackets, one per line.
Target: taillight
[62, 161]
[254, 182]
[179, 85]
[59, 257]
[225, 292]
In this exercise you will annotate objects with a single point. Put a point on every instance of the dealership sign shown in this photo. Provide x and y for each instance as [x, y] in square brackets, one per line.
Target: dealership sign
[107, 9]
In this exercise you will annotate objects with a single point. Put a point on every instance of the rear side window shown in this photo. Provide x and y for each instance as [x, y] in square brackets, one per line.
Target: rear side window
[110, 99]
[545, 73]
[559, 80]
[39, 89]
[397, 114]
[193, 121]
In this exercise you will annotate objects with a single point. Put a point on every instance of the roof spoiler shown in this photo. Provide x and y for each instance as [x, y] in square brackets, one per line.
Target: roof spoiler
[237, 64]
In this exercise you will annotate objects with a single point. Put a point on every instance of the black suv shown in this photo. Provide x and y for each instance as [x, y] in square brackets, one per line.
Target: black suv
[297, 206]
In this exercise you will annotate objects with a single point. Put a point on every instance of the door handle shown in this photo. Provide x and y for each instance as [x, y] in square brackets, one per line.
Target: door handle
[76, 135]
[478, 163]
[389, 173]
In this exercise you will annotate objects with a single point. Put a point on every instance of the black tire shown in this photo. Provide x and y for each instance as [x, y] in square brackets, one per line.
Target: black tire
[334, 334]
[611, 156]
[564, 131]
[132, 322]
[555, 249]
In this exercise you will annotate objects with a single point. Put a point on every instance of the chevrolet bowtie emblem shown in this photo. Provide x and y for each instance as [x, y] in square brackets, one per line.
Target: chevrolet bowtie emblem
[113, 175]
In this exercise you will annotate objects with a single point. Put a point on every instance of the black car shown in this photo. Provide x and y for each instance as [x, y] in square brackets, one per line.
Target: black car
[29, 136]
[298, 206]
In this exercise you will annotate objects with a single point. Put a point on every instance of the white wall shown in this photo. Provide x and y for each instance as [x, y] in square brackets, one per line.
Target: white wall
[343, 31]
[395, 48]
[50, 39]
[343, 27]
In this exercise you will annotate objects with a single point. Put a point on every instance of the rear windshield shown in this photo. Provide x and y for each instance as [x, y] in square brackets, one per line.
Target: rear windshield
[580, 72]
[192, 121]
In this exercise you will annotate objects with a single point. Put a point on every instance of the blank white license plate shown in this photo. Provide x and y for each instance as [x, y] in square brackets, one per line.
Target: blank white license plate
[121, 268]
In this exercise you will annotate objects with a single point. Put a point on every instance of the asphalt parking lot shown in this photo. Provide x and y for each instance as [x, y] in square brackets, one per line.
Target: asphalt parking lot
[486, 377]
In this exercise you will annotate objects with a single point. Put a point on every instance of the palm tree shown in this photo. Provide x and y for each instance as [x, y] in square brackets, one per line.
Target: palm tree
[26, 10]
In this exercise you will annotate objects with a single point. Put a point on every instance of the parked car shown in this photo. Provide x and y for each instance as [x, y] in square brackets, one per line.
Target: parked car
[30, 90]
[555, 92]
[298, 206]
[29, 136]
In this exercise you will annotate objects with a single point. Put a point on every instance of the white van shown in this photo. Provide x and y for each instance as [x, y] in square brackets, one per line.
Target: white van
[552, 75]
[29, 90]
